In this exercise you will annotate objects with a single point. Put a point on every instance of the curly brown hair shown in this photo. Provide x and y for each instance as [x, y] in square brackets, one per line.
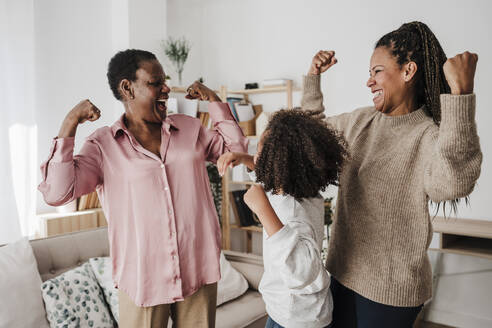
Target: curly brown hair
[300, 155]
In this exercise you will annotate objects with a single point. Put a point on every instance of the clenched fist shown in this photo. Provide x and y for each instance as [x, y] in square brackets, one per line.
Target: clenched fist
[322, 61]
[201, 92]
[460, 72]
[85, 111]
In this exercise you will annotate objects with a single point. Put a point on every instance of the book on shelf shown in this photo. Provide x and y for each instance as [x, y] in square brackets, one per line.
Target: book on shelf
[90, 197]
[204, 117]
[245, 112]
[190, 107]
[82, 203]
[88, 201]
[172, 106]
[243, 214]
[232, 104]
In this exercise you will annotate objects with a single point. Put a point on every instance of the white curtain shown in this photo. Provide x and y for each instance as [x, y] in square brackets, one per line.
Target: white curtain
[18, 133]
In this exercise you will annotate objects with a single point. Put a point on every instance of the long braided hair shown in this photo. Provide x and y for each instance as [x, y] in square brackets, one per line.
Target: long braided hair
[416, 42]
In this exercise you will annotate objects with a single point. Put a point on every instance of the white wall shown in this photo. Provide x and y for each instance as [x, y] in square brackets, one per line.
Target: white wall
[237, 41]
[74, 42]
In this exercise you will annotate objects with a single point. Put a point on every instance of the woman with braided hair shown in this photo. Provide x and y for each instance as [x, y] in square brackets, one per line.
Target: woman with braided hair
[417, 144]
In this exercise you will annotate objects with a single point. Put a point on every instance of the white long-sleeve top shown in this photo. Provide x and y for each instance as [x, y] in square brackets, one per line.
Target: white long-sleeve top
[295, 285]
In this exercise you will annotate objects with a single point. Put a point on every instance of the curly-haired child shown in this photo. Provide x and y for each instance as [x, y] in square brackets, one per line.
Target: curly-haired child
[297, 157]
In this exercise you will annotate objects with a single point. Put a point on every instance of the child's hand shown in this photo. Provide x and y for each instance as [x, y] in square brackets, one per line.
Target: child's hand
[233, 159]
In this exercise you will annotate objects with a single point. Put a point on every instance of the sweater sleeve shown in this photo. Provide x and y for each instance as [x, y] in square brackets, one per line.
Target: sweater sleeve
[294, 252]
[312, 99]
[66, 177]
[454, 165]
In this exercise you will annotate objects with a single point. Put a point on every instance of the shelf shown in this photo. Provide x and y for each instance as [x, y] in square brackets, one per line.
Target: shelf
[465, 227]
[227, 200]
[184, 90]
[57, 215]
[51, 224]
[244, 91]
[249, 228]
[464, 236]
[261, 90]
[243, 182]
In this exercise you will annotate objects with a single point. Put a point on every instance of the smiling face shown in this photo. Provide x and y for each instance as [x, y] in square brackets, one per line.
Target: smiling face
[150, 92]
[387, 81]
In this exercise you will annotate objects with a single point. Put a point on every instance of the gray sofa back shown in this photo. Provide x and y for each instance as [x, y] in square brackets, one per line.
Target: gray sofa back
[58, 254]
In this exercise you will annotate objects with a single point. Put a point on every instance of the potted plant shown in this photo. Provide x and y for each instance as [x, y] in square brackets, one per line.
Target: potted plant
[177, 51]
[328, 221]
[216, 187]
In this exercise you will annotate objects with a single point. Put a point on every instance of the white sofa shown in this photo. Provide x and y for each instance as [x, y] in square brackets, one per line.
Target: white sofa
[58, 254]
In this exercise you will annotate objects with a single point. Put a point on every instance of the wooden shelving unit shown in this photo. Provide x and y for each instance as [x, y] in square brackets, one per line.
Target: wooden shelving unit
[51, 224]
[464, 236]
[288, 89]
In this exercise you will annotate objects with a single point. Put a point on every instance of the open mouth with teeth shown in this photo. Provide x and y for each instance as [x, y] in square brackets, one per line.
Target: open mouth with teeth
[161, 104]
[378, 95]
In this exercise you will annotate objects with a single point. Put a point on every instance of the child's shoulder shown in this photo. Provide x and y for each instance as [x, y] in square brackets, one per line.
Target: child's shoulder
[310, 210]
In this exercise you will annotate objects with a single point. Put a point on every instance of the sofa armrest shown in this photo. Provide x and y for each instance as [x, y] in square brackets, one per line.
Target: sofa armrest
[249, 265]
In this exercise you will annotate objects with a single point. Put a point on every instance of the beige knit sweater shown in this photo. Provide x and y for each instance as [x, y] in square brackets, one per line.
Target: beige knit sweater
[382, 228]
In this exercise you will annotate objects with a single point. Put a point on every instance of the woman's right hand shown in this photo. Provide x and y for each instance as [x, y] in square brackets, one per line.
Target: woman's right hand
[83, 111]
[322, 61]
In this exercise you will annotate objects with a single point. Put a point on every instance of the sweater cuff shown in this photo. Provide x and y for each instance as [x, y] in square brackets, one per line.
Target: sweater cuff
[312, 83]
[457, 109]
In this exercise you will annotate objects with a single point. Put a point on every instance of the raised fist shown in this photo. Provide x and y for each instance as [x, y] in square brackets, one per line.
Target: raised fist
[460, 72]
[85, 111]
[322, 61]
[199, 91]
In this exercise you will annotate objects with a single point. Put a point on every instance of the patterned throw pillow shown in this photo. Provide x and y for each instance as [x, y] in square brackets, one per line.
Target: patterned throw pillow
[74, 299]
[230, 286]
[101, 266]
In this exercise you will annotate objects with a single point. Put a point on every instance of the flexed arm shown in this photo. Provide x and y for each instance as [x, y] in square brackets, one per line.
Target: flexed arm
[66, 177]
[226, 135]
[312, 98]
[454, 167]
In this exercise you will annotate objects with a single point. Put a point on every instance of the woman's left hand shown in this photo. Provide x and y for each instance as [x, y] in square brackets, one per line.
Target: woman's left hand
[460, 72]
[201, 92]
[256, 199]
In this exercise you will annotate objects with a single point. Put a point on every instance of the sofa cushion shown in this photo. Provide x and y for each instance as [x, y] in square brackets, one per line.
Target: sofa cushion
[74, 299]
[102, 268]
[232, 284]
[246, 310]
[21, 303]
